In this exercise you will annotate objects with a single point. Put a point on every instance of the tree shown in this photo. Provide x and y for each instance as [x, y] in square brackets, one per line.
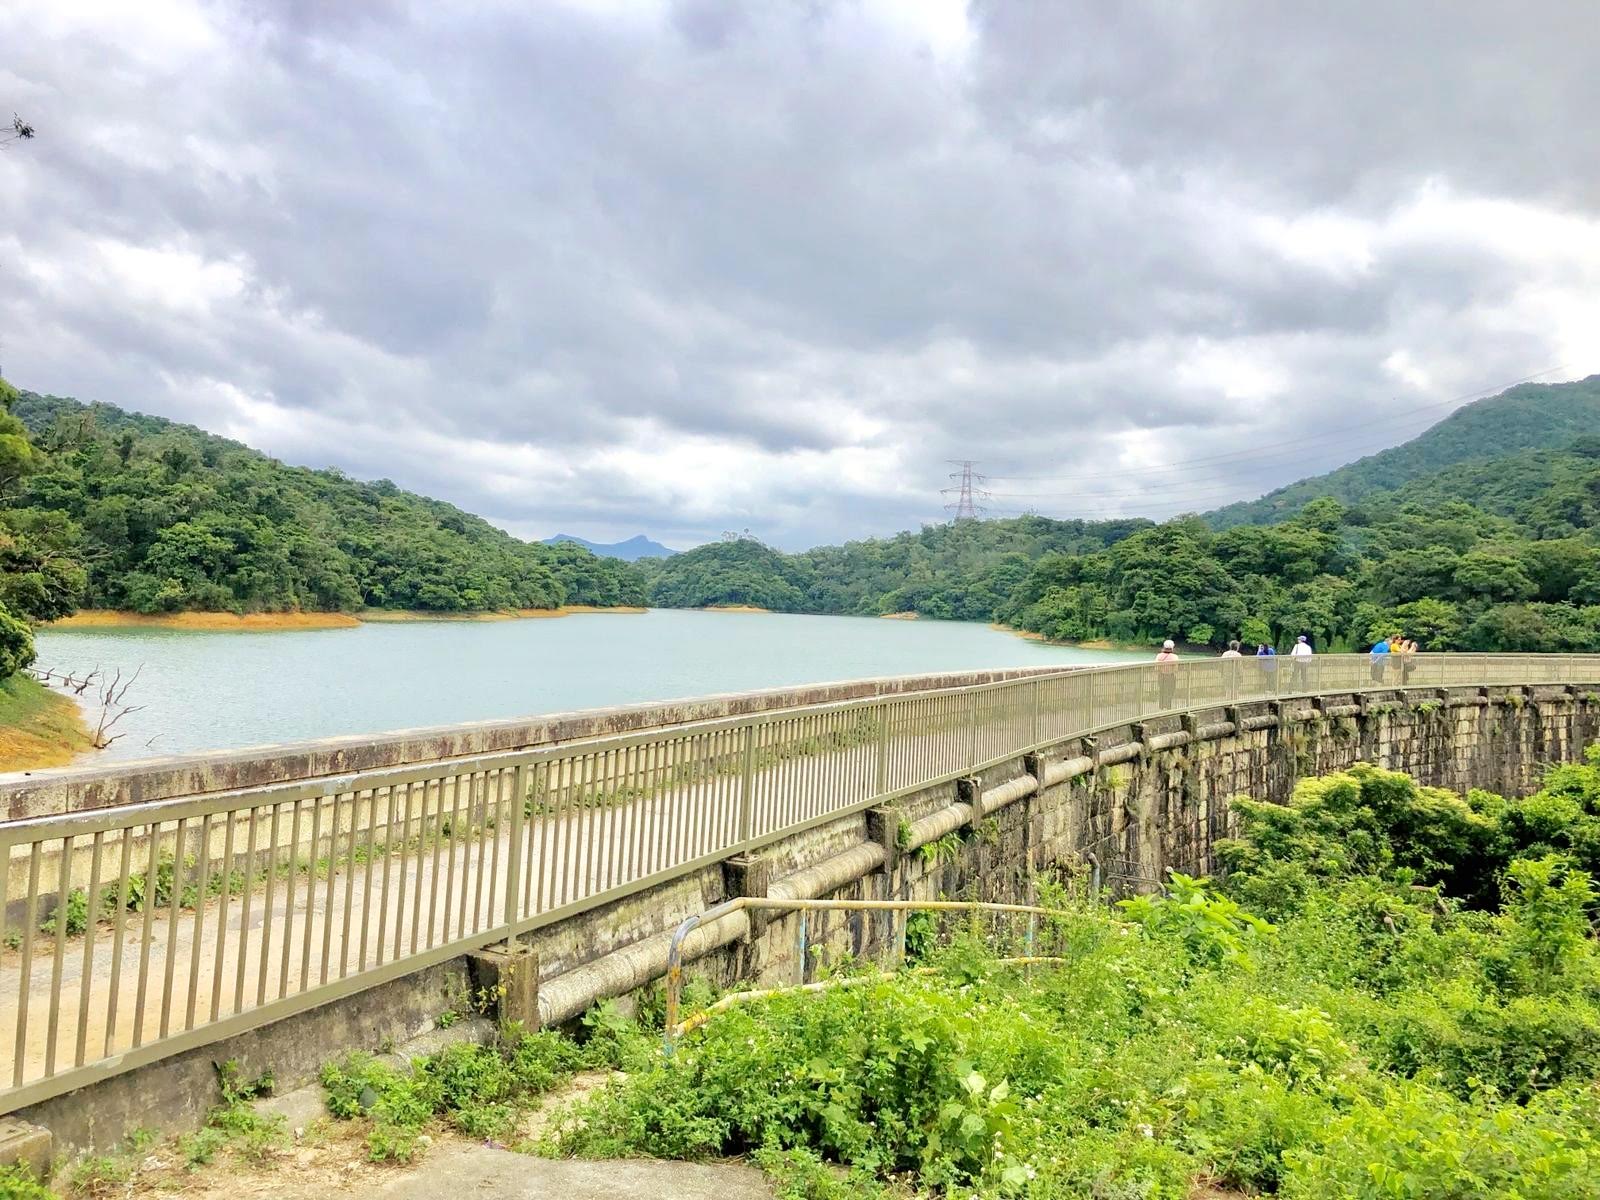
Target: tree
[16, 644]
[1433, 624]
[1493, 575]
[17, 457]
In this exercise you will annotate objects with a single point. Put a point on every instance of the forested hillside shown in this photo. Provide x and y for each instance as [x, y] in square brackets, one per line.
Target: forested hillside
[1531, 416]
[961, 571]
[164, 517]
[1519, 569]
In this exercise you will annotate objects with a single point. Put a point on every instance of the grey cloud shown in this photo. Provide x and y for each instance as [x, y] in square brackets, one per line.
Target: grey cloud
[791, 232]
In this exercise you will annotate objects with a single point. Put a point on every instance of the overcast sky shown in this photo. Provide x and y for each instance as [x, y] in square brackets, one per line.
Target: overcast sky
[615, 266]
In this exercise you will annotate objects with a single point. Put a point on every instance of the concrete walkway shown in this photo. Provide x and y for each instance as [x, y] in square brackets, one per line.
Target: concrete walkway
[464, 1172]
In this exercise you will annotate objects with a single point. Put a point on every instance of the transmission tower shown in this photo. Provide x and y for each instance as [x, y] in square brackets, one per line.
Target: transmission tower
[966, 485]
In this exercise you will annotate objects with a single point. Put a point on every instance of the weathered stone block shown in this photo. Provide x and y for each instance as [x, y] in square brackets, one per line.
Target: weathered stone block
[25, 1145]
[505, 982]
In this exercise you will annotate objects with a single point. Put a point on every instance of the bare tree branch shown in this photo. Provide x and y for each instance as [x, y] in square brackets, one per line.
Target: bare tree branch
[114, 706]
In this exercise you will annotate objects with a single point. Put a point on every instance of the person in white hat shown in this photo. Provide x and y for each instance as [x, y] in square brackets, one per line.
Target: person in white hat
[1301, 654]
[1167, 673]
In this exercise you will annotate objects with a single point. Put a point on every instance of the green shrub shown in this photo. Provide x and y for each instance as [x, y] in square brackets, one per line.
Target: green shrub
[16, 644]
[1210, 929]
[18, 1183]
[1409, 1141]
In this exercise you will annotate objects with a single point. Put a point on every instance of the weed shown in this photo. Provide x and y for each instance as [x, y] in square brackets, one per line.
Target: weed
[942, 850]
[922, 930]
[477, 1089]
[97, 1176]
[18, 1183]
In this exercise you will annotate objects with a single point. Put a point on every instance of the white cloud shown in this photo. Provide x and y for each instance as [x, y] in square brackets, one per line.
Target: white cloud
[676, 267]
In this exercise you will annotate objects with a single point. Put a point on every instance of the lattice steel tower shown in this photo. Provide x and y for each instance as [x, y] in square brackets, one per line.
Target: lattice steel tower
[966, 487]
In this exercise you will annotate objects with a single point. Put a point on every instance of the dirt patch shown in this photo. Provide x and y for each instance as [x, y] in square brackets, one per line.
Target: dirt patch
[325, 1158]
[900, 616]
[384, 616]
[747, 608]
[553, 1113]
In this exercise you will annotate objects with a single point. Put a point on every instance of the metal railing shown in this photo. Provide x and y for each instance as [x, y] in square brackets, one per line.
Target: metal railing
[129, 934]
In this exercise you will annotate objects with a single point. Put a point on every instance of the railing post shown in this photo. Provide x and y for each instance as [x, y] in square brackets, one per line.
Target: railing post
[881, 771]
[1033, 724]
[514, 862]
[972, 729]
[747, 779]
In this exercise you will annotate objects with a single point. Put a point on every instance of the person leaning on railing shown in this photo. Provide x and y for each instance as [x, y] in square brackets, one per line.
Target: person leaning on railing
[1405, 652]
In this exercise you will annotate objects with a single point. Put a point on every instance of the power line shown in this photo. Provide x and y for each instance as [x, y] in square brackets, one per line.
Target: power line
[964, 508]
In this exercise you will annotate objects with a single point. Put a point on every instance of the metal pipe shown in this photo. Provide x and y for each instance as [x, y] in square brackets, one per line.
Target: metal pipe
[742, 903]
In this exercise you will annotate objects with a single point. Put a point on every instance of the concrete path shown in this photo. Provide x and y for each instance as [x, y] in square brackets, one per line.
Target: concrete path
[468, 1172]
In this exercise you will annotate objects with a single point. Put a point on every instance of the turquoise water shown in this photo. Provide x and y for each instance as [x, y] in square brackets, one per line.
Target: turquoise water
[207, 691]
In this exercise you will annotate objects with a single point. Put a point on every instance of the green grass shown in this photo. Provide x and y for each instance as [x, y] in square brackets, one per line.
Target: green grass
[38, 727]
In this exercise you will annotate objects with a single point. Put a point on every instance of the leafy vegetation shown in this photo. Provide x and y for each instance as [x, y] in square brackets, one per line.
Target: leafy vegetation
[1420, 1018]
[110, 509]
[478, 1090]
[1452, 576]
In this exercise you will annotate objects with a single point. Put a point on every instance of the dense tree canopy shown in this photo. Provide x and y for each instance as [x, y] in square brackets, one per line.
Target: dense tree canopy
[109, 509]
[1471, 558]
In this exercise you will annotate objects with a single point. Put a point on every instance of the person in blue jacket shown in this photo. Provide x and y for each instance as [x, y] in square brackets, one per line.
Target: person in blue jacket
[1379, 659]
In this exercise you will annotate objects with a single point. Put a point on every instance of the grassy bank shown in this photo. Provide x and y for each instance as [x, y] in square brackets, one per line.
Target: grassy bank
[38, 727]
[261, 622]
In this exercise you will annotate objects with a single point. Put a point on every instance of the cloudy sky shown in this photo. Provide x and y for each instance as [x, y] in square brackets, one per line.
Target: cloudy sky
[611, 266]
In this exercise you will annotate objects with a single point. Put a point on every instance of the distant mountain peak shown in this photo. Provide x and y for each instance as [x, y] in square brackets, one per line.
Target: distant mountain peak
[635, 548]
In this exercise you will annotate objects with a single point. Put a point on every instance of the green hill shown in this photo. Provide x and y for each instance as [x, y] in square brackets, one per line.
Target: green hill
[960, 571]
[1531, 416]
[165, 517]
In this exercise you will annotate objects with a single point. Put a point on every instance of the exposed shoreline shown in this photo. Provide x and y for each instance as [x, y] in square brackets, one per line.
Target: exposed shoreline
[38, 727]
[737, 608]
[263, 622]
[1088, 644]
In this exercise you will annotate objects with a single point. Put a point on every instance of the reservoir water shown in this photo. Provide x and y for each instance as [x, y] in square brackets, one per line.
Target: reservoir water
[208, 691]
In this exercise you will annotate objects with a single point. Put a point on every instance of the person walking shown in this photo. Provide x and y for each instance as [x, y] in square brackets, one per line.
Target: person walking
[1301, 656]
[1167, 673]
[1230, 671]
[1267, 664]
